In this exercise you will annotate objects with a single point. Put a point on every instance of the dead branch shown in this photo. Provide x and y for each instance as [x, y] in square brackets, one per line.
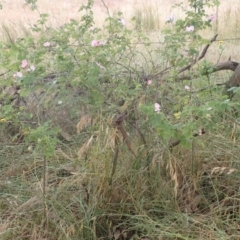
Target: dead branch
[204, 51]
[234, 81]
[202, 54]
[227, 65]
[190, 65]
[120, 127]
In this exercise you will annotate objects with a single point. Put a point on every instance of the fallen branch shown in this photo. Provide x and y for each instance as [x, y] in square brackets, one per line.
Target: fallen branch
[234, 81]
[227, 65]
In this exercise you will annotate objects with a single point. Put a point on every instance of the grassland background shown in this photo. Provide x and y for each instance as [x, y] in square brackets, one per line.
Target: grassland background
[16, 17]
[62, 11]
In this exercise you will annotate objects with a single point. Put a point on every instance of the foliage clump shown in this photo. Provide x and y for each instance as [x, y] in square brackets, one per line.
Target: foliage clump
[116, 139]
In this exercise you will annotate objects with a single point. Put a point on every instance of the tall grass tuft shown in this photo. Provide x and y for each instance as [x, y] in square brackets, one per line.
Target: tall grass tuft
[148, 18]
[11, 31]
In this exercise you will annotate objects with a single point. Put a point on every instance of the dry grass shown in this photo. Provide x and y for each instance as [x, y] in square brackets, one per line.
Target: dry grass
[15, 11]
[174, 199]
[16, 18]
